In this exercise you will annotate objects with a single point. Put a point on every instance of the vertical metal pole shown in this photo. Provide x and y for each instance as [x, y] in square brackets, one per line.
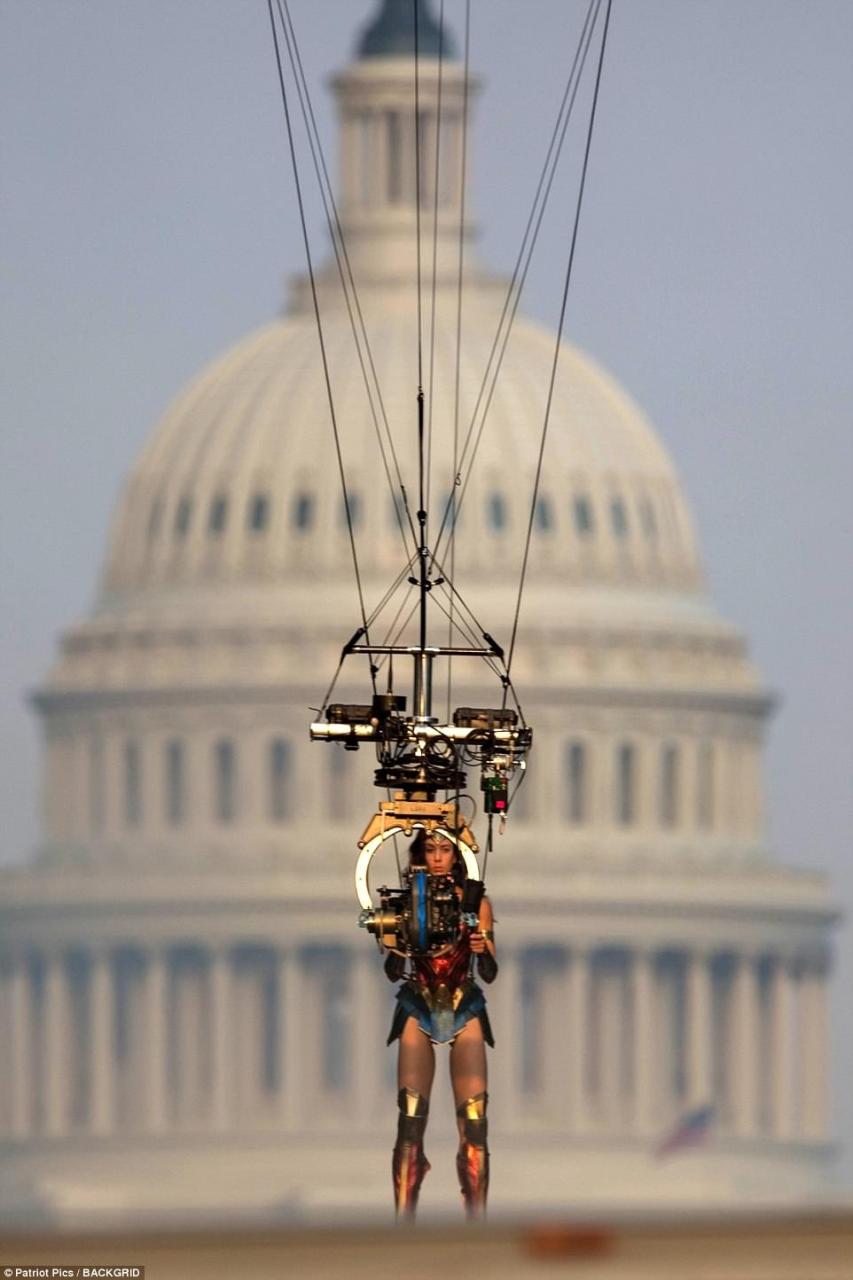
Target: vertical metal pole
[422, 550]
[423, 684]
[423, 660]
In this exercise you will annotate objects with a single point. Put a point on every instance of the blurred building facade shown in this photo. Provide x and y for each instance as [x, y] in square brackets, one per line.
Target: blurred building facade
[191, 1020]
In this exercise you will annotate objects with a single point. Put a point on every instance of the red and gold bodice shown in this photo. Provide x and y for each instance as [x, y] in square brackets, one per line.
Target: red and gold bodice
[450, 969]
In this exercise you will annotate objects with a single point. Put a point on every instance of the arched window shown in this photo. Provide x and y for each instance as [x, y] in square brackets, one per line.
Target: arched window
[280, 770]
[303, 511]
[454, 511]
[496, 512]
[259, 510]
[577, 782]
[132, 784]
[618, 518]
[396, 512]
[584, 523]
[174, 789]
[705, 801]
[183, 516]
[543, 518]
[669, 784]
[625, 796]
[225, 781]
[354, 500]
[218, 514]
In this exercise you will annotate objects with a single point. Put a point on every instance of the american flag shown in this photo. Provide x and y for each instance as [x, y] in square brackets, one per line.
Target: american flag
[692, 1128]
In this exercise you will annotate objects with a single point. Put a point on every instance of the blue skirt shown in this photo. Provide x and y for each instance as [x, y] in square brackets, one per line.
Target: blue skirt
[442, 1025]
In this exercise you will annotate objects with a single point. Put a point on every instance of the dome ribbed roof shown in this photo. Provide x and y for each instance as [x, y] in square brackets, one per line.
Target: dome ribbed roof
[391, 34]
[239, 483]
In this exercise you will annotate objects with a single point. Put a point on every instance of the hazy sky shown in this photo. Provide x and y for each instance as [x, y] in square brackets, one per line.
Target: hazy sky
[148, 221]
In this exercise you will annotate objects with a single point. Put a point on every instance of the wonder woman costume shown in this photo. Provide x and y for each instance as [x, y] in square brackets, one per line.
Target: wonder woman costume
[441, 996]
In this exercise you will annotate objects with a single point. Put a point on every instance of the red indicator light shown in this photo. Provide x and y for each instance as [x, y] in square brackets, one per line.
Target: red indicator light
[500, 804]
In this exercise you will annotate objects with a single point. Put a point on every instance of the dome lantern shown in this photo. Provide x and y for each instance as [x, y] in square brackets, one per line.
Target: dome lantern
[379, 181]
[391, 34]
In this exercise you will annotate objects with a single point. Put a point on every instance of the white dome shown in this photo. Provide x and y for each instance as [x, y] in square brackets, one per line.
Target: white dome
[240, 481]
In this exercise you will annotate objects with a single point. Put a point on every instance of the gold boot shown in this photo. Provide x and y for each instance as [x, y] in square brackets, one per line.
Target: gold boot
[472, 1159]
[409, 1164]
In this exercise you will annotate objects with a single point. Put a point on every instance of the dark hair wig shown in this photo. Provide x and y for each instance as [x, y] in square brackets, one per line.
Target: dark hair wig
[417, 857]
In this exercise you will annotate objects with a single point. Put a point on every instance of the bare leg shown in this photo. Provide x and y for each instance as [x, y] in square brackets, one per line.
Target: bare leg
[468, 1074]
[416, 1063]
[415, 1071]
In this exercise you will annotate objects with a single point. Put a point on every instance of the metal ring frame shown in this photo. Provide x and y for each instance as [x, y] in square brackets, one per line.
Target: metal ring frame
[362, 867]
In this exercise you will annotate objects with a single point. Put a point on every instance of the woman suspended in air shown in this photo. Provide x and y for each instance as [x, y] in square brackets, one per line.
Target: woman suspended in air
[440, 1003]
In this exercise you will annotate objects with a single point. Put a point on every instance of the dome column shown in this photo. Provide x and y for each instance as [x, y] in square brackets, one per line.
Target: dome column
[156, 1030]
[556, 1044]
[366, 1033]
[56, 1032]
[291, 994]
[814, 1046]
[21, 1019]
[782, 1048]
[507, 1031]
[645, 1043]
[102, 1045]
[221, 1023]
[577, 1021]
[743, 1049]
[699, 1089]
[612, 1046]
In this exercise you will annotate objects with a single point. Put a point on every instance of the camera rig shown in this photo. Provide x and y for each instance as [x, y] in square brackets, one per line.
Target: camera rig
[418, 757]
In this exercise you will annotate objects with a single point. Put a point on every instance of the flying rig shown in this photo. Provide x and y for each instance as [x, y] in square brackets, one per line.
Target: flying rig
[418, 756]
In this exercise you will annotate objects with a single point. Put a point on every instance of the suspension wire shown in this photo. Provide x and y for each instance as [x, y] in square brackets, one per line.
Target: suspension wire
[327, 695]
[391, 590]
[559, 339]
[461, 254]
[525, 253]
[330, 396]
[395, 585]
[469, 636]
[415, 3]
[472, 628]
[423, 552]
[345, 271]
[436, 175]
[489, 843]
[392, 641]
[395, 619]
[396, 846]
[511, 798]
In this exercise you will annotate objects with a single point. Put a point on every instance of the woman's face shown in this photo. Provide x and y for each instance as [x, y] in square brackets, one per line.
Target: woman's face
[439, 853]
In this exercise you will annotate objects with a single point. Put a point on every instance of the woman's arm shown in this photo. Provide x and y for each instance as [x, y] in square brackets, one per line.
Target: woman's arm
[483, 943]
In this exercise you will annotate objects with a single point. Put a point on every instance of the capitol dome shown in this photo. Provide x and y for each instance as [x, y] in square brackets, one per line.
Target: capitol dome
[239, 483]
[190, 1018]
